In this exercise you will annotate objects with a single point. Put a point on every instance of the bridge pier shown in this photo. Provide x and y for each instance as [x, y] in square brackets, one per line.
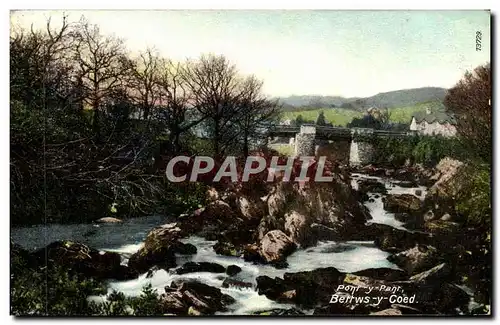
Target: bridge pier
[361, 151]
[304, 141]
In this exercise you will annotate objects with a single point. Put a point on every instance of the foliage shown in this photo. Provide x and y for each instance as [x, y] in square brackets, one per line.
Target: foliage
[470, 102]
[336, 116]
[91, 126]
[474, 198]
[426, 150]
[321, 119]
[54, 291]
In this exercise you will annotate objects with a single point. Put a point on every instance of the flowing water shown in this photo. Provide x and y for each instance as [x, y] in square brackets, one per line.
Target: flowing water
[126, 238]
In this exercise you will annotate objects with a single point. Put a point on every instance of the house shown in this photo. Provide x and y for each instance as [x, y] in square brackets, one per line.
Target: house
[434, 123]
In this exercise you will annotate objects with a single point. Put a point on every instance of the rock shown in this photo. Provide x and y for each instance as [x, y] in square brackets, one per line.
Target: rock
[383, 273]
[402, 203]
[313, 286]
[446, 217]
[296, 226]
[251, 253]
[416, 259]
[429, 215]
[184, 249]
[229, 282]
[191, 267]
[193, 312]
[388, 312]
[203, 298]
[371, 186]
[271, 288]
[172, 302]
[290, 295]
[231, 242]
[218, 211]
[279, 312]
[276, 246]
[447, 184]
[233, 270]
[212, 194]
[406, 310]
[227, 249]
[159, 248]
[418, 192]
[276, 201]
[108, 220]
[249, 209]
[391, 239]
[441, 227]
[322, 232]
[432, 276]
[406, 184]
[84, 260]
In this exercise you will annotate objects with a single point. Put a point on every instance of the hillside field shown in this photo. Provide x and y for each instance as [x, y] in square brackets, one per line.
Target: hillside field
[340, 116]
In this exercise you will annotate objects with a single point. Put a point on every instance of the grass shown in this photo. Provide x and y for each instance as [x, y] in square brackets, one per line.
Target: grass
[336, 116]
[340, 116]
[404, 114]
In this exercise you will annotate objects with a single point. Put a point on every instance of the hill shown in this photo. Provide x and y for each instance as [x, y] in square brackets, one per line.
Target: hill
[391, 99]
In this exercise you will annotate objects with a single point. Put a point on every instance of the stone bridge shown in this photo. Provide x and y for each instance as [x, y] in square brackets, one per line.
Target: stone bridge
[352, 145]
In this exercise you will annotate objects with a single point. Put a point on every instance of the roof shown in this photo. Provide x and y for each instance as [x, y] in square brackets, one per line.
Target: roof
[439, 116]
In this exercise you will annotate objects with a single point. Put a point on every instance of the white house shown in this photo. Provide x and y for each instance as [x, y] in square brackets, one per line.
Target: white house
[433, 123]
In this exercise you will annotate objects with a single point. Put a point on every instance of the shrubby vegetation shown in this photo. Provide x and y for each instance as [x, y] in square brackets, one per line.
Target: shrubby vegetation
[92, 126]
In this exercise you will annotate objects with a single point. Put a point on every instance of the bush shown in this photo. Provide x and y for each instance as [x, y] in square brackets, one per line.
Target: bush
[474, 198]
[426, 150]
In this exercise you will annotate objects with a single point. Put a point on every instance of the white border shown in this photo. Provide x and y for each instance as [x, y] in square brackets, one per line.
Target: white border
[197, 4]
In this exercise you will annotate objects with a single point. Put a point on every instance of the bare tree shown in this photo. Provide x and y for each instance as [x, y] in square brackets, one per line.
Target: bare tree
[102, 65]
[257, 113]
[214, 84]
[146, 73]
[177, 106]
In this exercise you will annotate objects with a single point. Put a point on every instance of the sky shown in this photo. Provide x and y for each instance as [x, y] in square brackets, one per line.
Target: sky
[337, 53]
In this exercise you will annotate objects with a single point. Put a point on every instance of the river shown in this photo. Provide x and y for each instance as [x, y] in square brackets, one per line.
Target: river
[126, 238]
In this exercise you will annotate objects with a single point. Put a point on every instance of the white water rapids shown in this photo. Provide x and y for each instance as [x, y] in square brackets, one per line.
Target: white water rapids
[126, 239]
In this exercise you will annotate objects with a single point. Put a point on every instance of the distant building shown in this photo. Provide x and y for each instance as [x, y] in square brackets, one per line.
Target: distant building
[434, 123]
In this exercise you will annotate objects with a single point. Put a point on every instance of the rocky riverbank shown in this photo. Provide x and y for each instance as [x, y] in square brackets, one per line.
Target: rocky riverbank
[434, 262]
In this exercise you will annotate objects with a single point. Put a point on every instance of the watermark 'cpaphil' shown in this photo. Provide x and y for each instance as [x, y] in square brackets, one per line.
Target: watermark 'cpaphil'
[298, 169]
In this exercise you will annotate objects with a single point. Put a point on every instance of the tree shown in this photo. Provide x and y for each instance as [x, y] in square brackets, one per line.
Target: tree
[257, 113]
[321, 119]
[470, 103]
[215, 86]
[176, 108]
[144, 81]
[102, 65]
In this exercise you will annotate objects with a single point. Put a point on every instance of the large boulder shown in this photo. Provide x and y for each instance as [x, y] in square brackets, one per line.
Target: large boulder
[391, 239]
[303, 288]
[402, 203]
[84, 260]
[296, 226]
[159, 248]
[434, 275]
[294, 207]
[416, 259]
[447, 184]
[231, 242]
[191, 267]
[201, 297]
[276, 246]
[371, 186]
